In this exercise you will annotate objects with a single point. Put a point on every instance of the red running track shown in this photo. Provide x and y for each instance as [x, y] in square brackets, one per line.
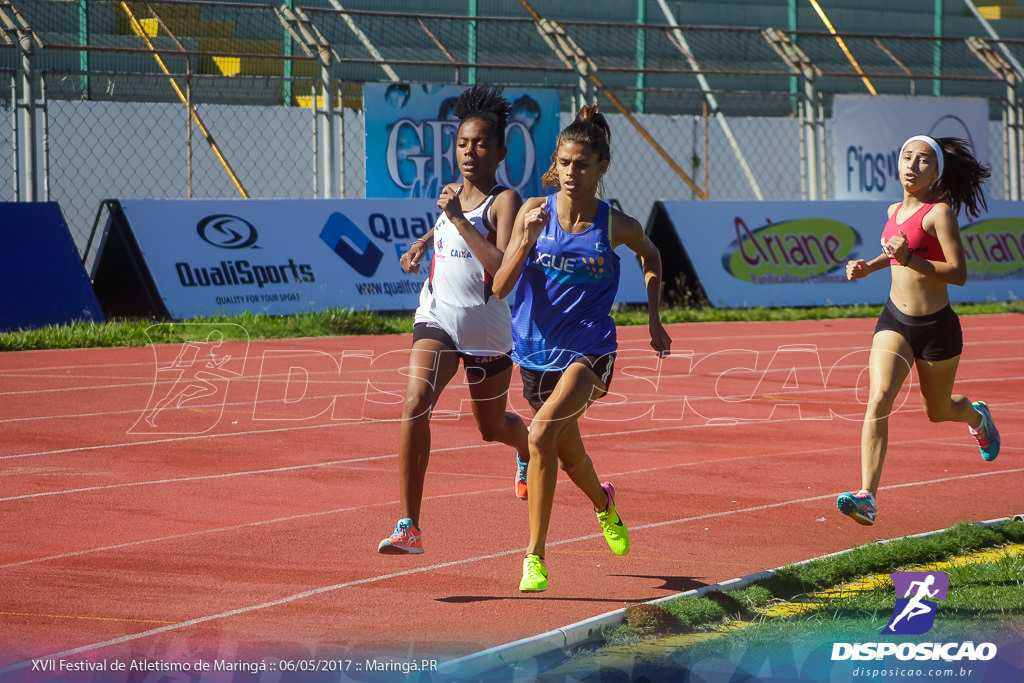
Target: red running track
[241, 520]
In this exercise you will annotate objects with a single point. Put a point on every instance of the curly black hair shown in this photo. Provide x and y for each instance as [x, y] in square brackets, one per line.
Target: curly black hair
[488, 105]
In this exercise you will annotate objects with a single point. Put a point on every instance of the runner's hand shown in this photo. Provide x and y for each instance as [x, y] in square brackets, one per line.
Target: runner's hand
[410, 260]
[449, 202]
[660, 339]
[534, 224]
[855, 270]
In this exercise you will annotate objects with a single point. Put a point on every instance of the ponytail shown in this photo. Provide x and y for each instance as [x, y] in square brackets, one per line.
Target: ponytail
[590, 128]
[962, 177]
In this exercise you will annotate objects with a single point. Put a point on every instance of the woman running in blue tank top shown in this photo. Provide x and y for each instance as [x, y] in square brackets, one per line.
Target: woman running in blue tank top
[561, 255]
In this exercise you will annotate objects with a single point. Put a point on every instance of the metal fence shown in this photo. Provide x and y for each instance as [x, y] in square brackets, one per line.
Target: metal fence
[8, 147]
[217, 99]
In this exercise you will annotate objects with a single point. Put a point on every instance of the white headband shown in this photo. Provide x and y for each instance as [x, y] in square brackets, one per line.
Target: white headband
[931, 143]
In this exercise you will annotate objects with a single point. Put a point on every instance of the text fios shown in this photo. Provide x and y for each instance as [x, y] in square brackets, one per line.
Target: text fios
[241, 272]
[922, 652]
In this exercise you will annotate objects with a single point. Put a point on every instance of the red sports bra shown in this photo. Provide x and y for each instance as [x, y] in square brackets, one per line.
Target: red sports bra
[920, 242]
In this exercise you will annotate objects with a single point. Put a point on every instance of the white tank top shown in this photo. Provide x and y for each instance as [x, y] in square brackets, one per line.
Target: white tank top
[457, 296]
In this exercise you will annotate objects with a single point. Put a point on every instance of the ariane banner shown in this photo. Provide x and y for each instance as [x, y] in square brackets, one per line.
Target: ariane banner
[411, 132]
[285, 256]
[795, 253]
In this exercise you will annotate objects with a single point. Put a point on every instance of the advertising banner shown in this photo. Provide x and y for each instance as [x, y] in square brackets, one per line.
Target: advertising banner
[42, 280]
[410, 139]
[795, 253]
[289, 256]
[868, 131]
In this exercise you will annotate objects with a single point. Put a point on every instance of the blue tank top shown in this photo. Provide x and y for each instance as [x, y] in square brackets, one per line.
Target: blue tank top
[564, 298]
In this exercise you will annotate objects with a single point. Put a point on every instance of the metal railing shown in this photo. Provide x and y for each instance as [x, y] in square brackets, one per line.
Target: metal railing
[110, 95]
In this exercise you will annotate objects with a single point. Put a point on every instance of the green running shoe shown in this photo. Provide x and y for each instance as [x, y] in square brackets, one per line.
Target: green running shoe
[615, 532]
[535, 575]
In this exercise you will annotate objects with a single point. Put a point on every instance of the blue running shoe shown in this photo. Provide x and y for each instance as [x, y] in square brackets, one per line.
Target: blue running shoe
[859, 506]
[986, 433]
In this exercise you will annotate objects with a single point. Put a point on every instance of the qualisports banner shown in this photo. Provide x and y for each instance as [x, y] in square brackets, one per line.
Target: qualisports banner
[795, 253]
[410, 139]
[868, 131]
[289, 256]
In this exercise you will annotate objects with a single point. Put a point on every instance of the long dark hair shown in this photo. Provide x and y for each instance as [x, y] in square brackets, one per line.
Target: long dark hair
[488, 105]
[962, 176]
[590, 128]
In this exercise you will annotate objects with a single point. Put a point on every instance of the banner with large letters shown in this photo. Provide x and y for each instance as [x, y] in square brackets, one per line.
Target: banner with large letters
[411, 131]
[795, 253]
[287, 256]
[868, 131]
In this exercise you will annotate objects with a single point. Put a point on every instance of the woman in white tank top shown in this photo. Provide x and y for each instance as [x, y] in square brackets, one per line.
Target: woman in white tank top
[457, 317]
[457, 295]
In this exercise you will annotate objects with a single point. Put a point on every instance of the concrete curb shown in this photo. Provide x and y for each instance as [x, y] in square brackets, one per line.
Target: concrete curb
[581, 632]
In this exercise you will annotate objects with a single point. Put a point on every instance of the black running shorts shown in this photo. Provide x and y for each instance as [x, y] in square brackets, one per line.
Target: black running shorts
[936, 336]
[538, 384]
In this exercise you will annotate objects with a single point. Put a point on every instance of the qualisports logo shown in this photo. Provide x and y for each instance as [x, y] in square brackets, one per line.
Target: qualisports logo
[914, 613]
[227, 231]
[351, 244]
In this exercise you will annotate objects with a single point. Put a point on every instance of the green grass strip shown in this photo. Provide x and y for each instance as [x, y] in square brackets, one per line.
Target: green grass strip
[798, 582]
[841, 597]
[329, 323]
[340, 322]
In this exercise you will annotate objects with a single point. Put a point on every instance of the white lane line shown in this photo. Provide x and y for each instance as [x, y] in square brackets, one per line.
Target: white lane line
[339, 463]
[455, 563]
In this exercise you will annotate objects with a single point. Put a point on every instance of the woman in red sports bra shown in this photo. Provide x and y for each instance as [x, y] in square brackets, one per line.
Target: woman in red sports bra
[921, 247]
